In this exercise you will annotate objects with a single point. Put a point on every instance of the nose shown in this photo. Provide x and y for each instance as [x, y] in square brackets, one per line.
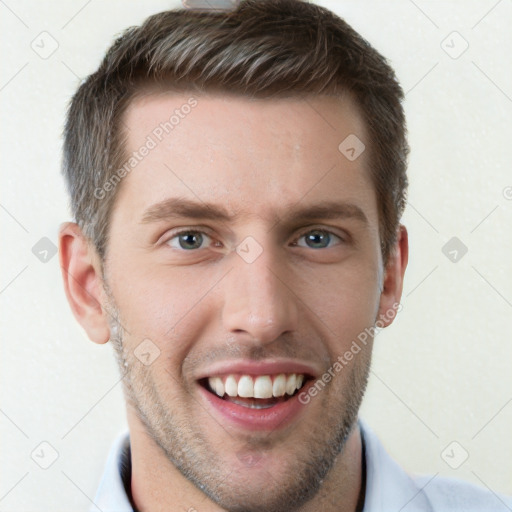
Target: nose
[259, 304]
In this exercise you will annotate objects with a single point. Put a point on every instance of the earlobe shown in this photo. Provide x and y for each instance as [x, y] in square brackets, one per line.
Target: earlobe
[394, 279]
[81, 273]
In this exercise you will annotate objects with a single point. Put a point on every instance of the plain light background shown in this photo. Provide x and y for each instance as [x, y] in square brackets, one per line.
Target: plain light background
[441, 373]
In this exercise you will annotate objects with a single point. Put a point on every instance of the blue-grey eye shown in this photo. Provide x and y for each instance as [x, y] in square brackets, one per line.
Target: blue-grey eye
[317, 239]
[188, 240]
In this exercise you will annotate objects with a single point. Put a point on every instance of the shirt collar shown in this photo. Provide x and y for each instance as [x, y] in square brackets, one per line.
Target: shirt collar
[112, 493]
[388, 486]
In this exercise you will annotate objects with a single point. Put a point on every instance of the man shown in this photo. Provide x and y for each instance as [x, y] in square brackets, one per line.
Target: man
[237, 180]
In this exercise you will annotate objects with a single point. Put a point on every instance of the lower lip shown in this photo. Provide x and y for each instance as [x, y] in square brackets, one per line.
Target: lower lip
[270, 418]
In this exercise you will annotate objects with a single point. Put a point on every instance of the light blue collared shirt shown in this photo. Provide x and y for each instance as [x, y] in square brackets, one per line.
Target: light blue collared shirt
[388, 487]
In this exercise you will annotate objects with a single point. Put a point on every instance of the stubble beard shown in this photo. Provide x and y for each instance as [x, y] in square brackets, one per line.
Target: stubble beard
[187, 447]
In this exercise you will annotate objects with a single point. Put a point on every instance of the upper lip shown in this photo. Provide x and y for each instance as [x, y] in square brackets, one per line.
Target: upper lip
[252, 367]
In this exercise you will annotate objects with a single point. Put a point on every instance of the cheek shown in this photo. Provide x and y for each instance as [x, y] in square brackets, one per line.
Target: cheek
[344, 298]
[164, 305]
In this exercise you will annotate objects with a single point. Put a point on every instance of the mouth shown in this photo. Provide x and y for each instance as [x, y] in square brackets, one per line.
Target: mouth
[256, 391]
[257, 395]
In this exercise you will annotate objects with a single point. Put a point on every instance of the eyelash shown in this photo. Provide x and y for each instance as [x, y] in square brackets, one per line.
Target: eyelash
[184, 231]
[195, 230]
[320, 230]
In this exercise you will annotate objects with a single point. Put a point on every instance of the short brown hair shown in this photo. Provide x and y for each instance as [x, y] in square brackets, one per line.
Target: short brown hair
[261, 49]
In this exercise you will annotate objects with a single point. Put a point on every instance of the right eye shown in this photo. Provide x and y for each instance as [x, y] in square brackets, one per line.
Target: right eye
[189, 240]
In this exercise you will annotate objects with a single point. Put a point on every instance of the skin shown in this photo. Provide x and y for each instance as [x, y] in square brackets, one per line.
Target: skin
[261, 161]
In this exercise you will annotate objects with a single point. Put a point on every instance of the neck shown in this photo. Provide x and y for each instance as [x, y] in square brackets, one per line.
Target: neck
[156, 483]
[343, 488]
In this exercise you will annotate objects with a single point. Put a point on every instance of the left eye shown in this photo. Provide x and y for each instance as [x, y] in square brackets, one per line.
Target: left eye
[318, 239]
[189, 240]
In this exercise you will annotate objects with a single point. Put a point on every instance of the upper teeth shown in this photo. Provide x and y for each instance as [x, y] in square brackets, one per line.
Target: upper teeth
[263, 386]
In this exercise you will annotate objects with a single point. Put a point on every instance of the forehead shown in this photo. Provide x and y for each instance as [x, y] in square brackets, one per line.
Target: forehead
[253, 156]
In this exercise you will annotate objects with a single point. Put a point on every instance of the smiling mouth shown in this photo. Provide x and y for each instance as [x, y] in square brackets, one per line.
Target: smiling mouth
[256, 391]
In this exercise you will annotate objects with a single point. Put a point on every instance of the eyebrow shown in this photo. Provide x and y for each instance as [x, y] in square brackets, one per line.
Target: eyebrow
[180, 207]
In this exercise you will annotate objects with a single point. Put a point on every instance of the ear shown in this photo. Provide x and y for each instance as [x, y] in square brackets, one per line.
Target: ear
[393, 279]
[81, 272]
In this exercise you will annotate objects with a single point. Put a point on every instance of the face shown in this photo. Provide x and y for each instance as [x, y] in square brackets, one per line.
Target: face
[244, 255]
